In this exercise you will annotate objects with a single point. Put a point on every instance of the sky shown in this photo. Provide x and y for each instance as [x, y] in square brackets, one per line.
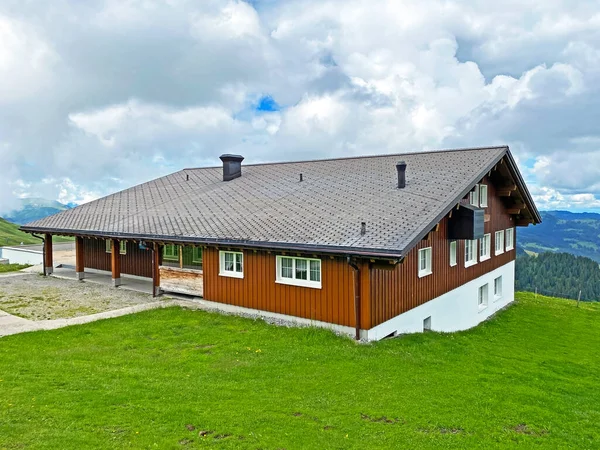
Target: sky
[98, 96]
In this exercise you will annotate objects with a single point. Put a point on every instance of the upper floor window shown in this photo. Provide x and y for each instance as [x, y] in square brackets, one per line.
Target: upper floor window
[474, 196]
[510, 239]
[304, 272]
[485, 247]
[499, 242]
[122, 247]
[470, 252]
[231, 264]
[452, 253]
[425, 262]
[483, 195]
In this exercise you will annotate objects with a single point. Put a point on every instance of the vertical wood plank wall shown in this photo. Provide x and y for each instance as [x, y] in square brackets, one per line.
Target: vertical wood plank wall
[333, 303]
[135, 262]
[394, 292]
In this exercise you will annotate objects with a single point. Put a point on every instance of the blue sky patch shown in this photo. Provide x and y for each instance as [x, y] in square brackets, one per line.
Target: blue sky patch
[267, 104]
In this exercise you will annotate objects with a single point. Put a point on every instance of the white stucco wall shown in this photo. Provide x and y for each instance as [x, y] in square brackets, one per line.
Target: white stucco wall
[17, 255]
[455, 310]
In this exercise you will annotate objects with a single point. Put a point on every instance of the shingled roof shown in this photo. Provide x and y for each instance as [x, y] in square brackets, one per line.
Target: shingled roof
[269, 207]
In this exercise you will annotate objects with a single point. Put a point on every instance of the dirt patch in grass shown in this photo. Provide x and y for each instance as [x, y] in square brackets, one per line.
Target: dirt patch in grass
[39, 298]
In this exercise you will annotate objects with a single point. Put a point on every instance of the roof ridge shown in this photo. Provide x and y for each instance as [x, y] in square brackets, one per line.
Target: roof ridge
[379, 155]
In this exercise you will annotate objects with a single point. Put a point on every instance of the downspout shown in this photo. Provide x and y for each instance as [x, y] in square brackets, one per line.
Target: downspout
[356, 297]
[43, 251]
[153, 271]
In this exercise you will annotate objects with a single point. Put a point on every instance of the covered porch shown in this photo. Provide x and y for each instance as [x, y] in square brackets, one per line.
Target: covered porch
[162, 266]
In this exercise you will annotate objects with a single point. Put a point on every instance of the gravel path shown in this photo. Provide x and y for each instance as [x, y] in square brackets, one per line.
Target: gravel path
[35, 297]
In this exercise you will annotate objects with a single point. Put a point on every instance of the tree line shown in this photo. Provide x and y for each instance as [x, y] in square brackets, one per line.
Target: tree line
[558, 275]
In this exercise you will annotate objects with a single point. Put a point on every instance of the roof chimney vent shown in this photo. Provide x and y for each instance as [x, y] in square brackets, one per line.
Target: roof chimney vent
[232, 166]
[363, 228]
[401, 168]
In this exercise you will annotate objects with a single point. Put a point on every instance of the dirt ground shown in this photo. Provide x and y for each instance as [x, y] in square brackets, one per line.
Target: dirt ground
[35, 297]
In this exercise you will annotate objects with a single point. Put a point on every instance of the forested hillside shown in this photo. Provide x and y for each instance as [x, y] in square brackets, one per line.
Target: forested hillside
[559, 275]
[563, 231]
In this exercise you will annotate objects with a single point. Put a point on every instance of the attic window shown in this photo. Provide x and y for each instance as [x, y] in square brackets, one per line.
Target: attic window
[474, 196]
[483, 195]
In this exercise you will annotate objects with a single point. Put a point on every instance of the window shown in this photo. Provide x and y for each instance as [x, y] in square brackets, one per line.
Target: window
[499, 242]
[510, 239]
[482, 296]
[197, 255]
[171, 252]
[470, 252]
[485, 247]
[231, 264]
[304, 272]
[483, 195]
[474, 196]
[498, 288]
[424, 262]
[122, 247]
[452, 253]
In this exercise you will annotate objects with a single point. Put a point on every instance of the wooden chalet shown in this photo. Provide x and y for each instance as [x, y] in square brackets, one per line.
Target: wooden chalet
[370, 246]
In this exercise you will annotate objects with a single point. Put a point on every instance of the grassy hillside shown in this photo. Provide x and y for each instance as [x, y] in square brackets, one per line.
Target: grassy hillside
[10, 235]
[188, 379]
[563, 231]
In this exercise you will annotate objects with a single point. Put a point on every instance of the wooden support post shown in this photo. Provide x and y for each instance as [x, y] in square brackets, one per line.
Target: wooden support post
[156, 270]
[48, 254]
[79, 258]
[115, 262]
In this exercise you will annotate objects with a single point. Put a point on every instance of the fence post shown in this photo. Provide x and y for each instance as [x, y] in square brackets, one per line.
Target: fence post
[578, 298]
[535, 292]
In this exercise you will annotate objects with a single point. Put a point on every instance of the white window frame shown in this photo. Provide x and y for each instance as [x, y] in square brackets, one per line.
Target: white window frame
[498, 288]
[231, 273]
[427, 254]
[485, 251]
[279, 278]
[483, 195]
[499, 242]
[473, 245]
[122, 247]
[453, 247]
[474, 196]
[510, 243]
[483, 293]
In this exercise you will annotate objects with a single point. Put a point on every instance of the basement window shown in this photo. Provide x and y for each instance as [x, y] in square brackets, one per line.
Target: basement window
[231, 264]
[499, 242]
[470, 252]
[424, 262]
[427, 324]
[305, 272]
[498, 288]
[482, 296]
[510, 239]
[122, 247]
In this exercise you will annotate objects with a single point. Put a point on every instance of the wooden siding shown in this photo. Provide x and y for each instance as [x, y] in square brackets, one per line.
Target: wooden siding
[333, 303]
[135, 262]
[394, 292]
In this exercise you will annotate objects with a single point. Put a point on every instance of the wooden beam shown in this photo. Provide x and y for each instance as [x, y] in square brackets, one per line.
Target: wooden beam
[115, 262]
[504, 193]
[79, 258]
[513, 211]
[48, 254]
[519, 205]
[524, 222]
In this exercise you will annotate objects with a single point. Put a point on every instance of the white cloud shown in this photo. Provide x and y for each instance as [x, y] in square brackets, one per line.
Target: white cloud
[95, 90]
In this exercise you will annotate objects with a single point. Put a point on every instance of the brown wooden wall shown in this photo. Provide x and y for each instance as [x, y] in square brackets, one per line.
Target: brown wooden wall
[135, 262]
[333, 303]
[394, 292]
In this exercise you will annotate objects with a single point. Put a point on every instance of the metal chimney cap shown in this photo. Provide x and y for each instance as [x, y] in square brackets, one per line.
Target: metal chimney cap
[229, 157]
[401, 165]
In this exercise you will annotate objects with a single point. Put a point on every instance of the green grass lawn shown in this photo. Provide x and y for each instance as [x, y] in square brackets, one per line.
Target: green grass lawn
[11, 235]
[187, 379]
[13, 267]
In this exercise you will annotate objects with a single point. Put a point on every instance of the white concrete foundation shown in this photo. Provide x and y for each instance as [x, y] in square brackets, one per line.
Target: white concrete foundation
[116, 282]
[455, 310]
[80, 275]
[49, 270]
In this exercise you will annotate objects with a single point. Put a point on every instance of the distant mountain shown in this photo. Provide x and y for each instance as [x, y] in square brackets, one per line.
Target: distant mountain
[35, 208]
[564, 231]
